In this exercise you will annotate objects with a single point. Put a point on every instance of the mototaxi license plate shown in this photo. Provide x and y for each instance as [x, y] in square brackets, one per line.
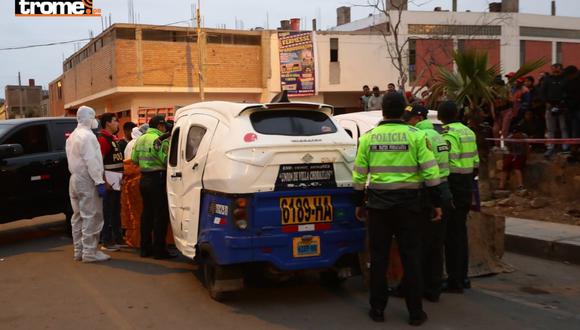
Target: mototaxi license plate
[306, 246]
[307, 209]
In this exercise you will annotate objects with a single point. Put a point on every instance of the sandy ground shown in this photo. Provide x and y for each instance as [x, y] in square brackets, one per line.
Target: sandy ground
[526, 206]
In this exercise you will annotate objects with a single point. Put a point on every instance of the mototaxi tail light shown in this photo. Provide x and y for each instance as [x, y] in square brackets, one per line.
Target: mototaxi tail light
[240, 213]
[241, 203]
[241, 224]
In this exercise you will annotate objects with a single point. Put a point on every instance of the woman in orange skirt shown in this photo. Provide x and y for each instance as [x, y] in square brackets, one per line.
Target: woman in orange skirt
[131, 202]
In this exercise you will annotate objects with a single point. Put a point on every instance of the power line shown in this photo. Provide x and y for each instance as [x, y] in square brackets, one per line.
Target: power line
[45, 45]
[78, 40]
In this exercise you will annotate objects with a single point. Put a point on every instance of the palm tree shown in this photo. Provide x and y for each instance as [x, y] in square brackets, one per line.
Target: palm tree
[472, 88]
[471, 84]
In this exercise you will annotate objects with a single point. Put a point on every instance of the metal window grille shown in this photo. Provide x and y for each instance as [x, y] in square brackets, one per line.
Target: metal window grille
[453, 30]
[528, 31]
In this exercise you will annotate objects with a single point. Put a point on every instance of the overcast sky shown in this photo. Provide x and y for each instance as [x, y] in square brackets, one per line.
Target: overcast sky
[45, 64]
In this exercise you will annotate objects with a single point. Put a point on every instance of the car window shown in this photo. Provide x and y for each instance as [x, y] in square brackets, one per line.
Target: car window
[292, 123]
[34, 139]
[4, 129]
[174, 149]
[194, 137]
[349, 132]
[62, 130]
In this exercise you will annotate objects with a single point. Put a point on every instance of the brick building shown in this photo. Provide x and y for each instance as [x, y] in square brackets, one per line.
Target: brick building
[56, 99]
[24, 101]
[137, 71]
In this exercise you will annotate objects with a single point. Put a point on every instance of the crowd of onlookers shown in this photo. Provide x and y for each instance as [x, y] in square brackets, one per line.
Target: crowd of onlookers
[547, 109]
[524, 108]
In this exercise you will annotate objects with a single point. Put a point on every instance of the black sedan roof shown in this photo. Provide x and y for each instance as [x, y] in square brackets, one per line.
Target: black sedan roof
[36, 119]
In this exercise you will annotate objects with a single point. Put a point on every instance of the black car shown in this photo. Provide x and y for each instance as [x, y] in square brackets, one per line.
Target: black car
[34, 174]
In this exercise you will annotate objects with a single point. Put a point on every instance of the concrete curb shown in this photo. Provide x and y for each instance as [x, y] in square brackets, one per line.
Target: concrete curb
[545, 240]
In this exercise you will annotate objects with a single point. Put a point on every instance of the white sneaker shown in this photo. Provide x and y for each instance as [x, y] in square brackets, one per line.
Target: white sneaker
[97, 257]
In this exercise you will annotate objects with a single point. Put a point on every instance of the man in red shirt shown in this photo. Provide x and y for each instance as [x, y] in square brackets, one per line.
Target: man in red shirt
[111, 236]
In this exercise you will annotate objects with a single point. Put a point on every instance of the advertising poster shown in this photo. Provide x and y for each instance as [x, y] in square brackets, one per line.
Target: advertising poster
[297, 67]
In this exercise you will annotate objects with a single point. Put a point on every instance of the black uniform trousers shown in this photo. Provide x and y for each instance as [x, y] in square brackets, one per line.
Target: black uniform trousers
[155, 216]
[432, 241]
[456, 242]
[405, 224]
[112, 233]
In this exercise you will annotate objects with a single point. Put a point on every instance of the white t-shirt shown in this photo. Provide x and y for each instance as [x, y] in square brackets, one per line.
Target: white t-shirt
[375, 103]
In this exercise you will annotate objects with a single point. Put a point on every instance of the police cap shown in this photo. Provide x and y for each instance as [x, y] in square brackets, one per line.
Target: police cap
[156, 121]
[415, 110]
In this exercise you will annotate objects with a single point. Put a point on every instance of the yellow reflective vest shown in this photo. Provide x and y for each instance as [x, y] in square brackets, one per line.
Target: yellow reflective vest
[394, 157]
[463, 154]
[440, 147]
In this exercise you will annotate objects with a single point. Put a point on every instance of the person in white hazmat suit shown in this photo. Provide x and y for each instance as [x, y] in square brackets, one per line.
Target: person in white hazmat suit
[87, 187]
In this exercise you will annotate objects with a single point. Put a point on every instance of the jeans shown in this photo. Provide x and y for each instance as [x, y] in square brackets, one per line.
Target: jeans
[112, 233]
[553, 122]
[575, 121]
[155, 216]
[405, 224]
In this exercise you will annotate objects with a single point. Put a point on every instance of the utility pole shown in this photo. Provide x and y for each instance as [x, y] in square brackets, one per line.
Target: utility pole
[20, 96]
[200, 52]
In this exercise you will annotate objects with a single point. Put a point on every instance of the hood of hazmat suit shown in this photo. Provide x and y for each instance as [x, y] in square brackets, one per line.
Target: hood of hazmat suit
[85, 163]
[83, 150]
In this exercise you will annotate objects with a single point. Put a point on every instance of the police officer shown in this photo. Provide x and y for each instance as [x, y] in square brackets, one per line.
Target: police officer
[400, 161]
[150, 153]
[433, 232]
[463, 166]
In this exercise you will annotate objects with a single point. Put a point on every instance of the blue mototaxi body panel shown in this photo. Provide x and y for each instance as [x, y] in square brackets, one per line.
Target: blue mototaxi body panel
[267, 240]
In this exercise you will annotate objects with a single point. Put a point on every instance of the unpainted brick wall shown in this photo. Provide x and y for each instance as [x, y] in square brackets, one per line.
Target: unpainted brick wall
[163, 64]
[56, 104]
[126, 63]
[175, 64]
[169, 63]
[94, 74]
[233, 66]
